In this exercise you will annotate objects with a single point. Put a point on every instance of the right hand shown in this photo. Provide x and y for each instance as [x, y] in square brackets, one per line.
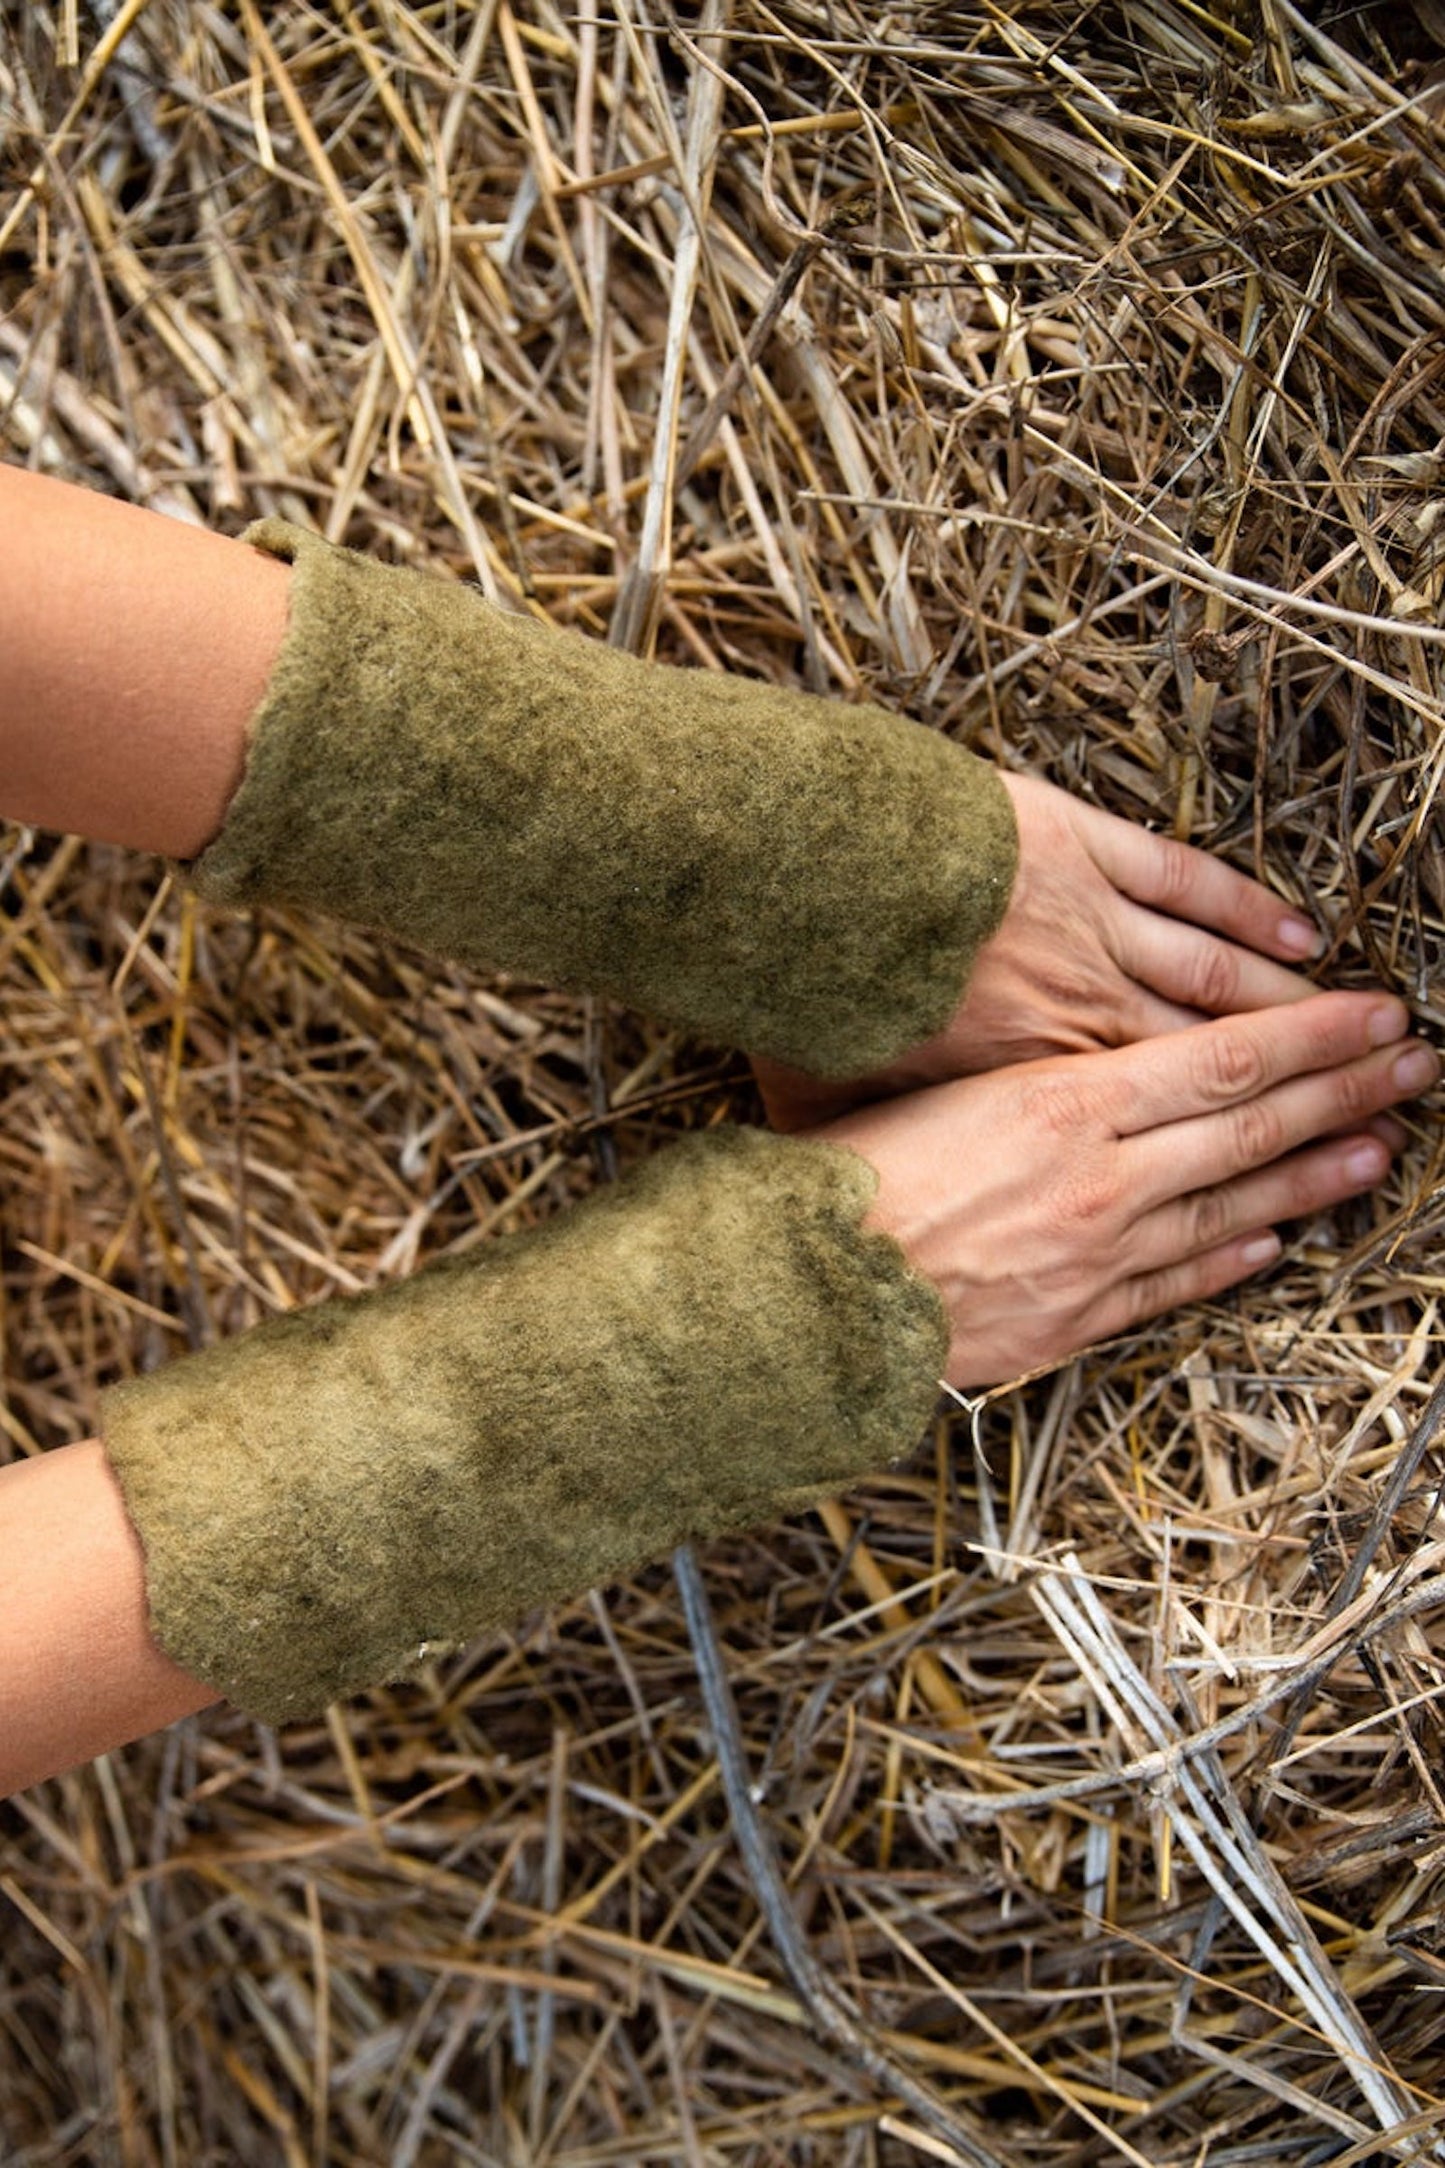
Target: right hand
[1060, 1202]
[1111, 934]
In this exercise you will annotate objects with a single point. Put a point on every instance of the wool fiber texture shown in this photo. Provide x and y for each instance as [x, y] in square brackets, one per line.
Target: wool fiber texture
[714, 1342]
[770, 870]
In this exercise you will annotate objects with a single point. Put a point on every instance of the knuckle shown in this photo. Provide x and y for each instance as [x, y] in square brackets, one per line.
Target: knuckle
[1087, 1194]
[1210, 1219]
[1214, 981]
[1156, 1292]
[1050, 1102]
[1154, 1297]
[1321, 1047]
[1144, 1298]
[1173, 870]
[1258, 1135]
[1355, 1092]
[1232, 1065]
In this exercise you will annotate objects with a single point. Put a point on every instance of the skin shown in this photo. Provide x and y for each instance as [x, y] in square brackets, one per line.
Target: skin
[1052, 1200]
[1060, 1202]
[1164, 1166]
[1158, 936]
[79, 1672]
[128, 722]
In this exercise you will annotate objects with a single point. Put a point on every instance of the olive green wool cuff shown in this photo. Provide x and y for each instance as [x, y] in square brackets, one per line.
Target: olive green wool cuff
[772, 871]
[714, 1342]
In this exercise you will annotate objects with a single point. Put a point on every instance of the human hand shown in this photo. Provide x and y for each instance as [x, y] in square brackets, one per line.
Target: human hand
[1112, 934]
[1058, 1202]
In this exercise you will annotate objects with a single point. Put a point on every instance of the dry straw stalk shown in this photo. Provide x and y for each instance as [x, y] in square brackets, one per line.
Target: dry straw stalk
[1070, 376]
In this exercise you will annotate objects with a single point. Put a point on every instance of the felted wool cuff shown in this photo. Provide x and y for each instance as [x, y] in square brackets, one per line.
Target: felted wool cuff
[770, 870]
[715, 1341]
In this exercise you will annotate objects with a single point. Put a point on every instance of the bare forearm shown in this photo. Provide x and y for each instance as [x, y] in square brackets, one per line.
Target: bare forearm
[79, 1672]
[135, 650]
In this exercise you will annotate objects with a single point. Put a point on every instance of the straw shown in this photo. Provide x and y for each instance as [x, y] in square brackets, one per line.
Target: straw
[1072, 379]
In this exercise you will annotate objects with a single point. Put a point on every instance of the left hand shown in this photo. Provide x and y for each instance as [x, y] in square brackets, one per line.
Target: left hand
[1057, 1203]
[1112, 934]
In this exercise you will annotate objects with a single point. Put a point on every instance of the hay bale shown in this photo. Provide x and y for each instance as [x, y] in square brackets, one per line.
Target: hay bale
[1072, 378]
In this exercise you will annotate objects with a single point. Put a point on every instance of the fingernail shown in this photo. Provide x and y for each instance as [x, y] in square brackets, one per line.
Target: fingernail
[1300, 938]
[1263, 1250]
[1367, 1162]
[1388, 1020]
[1414, 1070]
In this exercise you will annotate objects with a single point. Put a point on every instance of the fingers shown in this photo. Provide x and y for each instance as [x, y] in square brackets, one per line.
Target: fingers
[1189, 884]
[1292, 1188]
[1211, 1241]
[1216, 1148]
[1198, 971]
[1056, 1202]
[1240, 1058]
[1193, 1279]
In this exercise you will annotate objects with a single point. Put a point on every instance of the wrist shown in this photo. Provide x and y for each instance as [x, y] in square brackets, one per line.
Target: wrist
[717, 1340]
[797, 877]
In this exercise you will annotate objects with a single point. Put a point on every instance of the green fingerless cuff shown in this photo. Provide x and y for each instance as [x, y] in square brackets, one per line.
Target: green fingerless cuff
[715, 1341]
[773, 871]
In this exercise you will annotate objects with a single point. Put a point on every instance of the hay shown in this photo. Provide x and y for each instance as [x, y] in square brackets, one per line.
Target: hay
[1073, 377]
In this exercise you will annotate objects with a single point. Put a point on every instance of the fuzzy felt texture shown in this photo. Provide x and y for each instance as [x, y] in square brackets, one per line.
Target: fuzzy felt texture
[716, 1341]
[772, 871]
